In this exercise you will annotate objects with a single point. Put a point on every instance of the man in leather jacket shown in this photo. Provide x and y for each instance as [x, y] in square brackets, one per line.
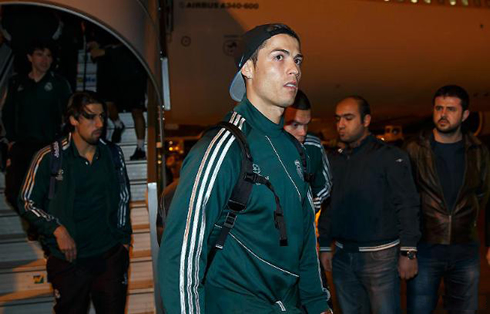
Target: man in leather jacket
[452, 173]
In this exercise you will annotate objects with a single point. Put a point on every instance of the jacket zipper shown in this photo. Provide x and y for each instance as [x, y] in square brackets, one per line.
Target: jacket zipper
[450, 212]
[463, 183]
[450, 227]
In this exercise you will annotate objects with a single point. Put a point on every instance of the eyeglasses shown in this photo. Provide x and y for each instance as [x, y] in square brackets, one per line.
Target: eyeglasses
[91, 116]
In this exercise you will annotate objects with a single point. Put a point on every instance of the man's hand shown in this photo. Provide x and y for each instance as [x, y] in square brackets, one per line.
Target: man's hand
[407, 268]
[326, 260]
[66, 243]
[488, 256]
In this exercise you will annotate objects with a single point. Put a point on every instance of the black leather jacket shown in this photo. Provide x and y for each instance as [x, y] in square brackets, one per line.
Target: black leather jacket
[440, 225]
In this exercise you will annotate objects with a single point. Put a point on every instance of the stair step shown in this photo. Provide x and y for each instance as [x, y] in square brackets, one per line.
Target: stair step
[139, 301]
[127, 119]
[128, 150]
[11, 229]
[4, 206]
[19, 253]
[136, 170]
[7, 212]
[40, 264]
[26, 284]
[127, 137]
[138, 190]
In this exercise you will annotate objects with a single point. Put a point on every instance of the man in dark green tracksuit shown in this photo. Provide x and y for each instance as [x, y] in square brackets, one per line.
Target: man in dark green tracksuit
[296, 120]
[32, 115]
[85, 222]
[253, 273]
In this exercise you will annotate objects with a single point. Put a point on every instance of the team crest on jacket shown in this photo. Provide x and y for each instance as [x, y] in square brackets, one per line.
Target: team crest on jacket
[256, 168]
[48, 87]
[59, 176]
[298, 169]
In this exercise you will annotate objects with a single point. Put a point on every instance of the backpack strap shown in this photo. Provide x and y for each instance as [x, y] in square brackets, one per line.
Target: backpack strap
[243, 188]
[241, 193]
[55, 166]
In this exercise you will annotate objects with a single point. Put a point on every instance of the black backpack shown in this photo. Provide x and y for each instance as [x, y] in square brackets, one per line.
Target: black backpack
[241, 192]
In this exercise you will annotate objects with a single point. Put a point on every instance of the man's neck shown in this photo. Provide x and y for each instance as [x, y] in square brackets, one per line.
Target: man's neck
[85, 149]
[36, 75]
[359, 141]
[271, 112]
[447, 138]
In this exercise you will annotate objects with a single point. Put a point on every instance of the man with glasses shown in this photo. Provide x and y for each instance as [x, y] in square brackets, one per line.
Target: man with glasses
[82, 210]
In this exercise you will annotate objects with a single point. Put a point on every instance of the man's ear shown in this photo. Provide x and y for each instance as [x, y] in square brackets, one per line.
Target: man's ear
[367, 120]
[29, 57]
[466, 114]
[73, 121]
[248, 69]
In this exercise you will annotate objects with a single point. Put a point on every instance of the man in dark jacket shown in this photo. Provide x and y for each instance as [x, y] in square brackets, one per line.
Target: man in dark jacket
[85, 219]
[452, 173]
[32, 114]
[372, 216]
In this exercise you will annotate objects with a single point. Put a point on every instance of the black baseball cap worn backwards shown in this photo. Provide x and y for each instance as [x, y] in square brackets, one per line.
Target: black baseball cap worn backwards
[251, 41]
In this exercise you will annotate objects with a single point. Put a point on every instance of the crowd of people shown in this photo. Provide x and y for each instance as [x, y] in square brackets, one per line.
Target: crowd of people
[241, 234]
[386, 214]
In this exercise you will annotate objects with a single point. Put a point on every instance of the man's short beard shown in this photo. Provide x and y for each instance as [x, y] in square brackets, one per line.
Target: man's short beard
[91, 141]
[452, 130]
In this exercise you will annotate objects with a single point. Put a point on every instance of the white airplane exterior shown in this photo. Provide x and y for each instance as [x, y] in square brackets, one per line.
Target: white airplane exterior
[394, 53]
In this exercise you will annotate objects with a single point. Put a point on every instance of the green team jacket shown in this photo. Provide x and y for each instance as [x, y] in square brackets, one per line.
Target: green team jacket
[320, 168]
[253, 273]
[47, 215]
[34, 110]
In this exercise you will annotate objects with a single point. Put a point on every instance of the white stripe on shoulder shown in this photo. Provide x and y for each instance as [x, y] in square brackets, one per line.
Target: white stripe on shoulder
[189, 258]
[26, 190]
[206, 198]
[312, 140]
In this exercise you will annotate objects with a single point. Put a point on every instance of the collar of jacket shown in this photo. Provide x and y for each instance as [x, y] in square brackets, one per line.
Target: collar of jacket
[257, 120]
[469, 139]
[73, 149]
[368, 139]
[47, 76]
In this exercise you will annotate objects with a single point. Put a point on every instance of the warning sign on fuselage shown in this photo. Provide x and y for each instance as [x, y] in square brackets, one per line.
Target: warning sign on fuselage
[229, 47]
[218, 5]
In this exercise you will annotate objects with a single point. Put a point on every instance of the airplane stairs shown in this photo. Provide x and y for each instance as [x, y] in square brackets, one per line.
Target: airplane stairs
[23, 278]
